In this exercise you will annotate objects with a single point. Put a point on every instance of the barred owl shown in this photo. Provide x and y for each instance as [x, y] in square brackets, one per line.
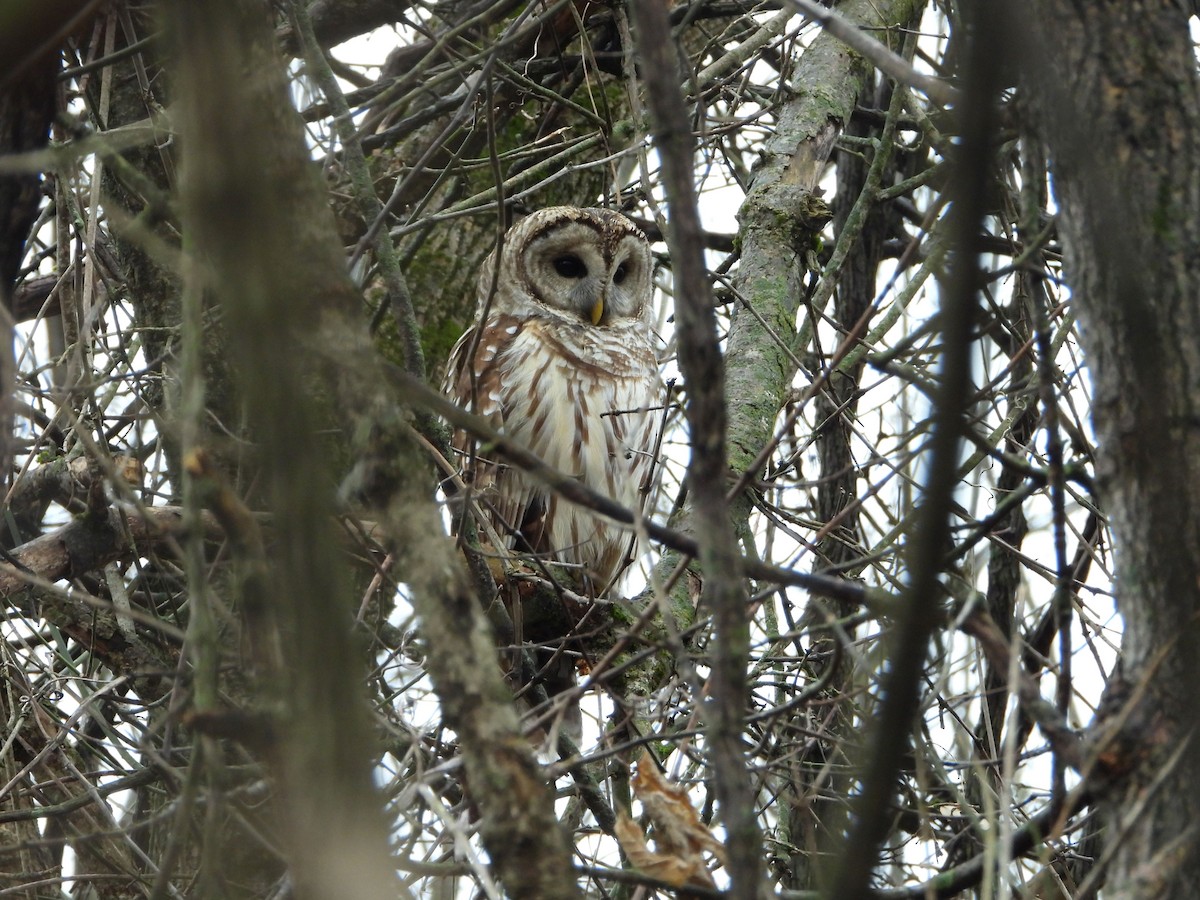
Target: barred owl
[562, 361]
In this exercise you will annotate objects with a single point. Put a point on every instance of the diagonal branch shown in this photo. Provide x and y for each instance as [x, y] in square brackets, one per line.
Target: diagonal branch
[885, 60]
[417, 392]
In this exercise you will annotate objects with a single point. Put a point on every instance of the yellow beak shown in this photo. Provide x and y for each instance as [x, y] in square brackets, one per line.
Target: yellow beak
[598, 311]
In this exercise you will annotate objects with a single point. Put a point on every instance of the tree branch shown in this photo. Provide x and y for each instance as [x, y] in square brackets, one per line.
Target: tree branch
[417, 392]
[703, 370]
[907, 643]
[885, 60]
[261, 240]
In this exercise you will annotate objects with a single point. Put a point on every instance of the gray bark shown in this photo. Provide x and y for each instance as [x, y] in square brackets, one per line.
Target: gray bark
[1117, 99]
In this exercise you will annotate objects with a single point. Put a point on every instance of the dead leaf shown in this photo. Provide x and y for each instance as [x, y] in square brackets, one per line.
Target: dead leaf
[669, 869]
[680, 838]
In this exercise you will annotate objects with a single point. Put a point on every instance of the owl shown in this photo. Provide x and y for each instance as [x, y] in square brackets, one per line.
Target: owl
[562, 360]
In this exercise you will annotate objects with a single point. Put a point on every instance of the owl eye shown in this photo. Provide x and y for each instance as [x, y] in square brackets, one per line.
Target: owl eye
[570, 266]
[619, 275]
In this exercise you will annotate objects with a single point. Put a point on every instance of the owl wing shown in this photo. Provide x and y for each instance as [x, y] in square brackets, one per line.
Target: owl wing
[476, 381]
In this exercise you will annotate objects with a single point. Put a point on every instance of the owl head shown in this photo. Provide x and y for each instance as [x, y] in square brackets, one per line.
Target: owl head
[582, 266]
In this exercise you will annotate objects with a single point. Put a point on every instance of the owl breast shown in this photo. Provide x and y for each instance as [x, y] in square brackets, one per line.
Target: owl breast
[583, 407]
[580, 399]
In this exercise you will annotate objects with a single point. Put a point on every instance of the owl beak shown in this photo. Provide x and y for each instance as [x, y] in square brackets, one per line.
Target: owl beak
[597, 311]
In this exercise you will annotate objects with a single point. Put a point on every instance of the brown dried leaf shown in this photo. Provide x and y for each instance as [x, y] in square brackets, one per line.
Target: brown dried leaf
[677, 825]
[669, 869]
[680, 837]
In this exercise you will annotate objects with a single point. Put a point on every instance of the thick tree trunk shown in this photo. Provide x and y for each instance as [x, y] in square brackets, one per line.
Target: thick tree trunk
[1116, 93]
[259, 223]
